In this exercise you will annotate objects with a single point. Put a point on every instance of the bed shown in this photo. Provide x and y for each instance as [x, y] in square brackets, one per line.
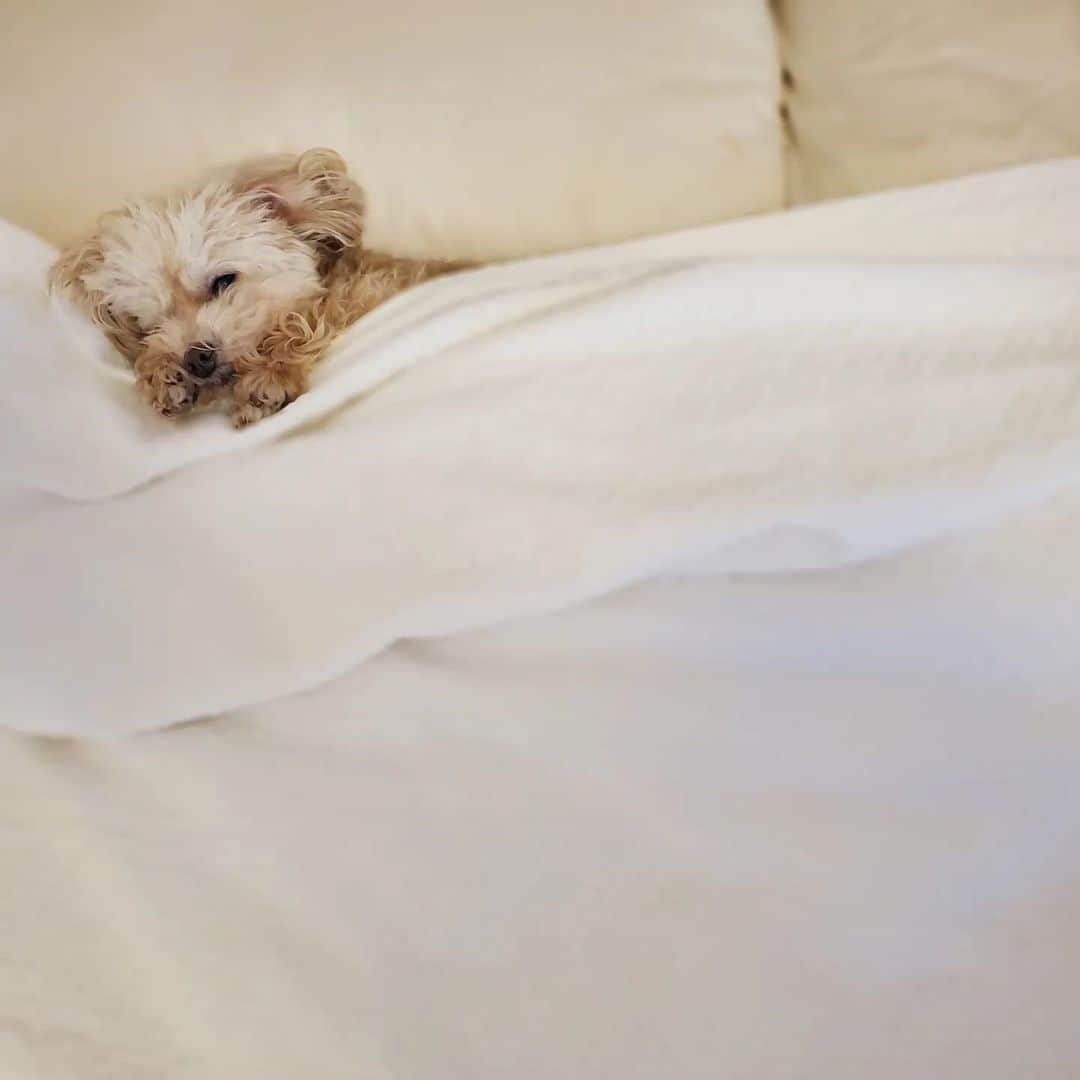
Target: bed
[652, 660]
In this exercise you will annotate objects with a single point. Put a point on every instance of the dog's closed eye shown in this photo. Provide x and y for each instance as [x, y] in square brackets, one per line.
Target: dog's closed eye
[221, 283]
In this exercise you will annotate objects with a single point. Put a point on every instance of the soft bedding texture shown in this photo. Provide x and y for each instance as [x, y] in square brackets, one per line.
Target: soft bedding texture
[733, 731]
[553, 430]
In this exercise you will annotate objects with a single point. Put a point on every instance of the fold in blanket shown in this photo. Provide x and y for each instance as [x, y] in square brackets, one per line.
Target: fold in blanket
[554, 430]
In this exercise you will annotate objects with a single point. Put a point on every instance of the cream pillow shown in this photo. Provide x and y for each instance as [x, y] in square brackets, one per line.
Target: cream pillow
[883, 94]
[480, 128]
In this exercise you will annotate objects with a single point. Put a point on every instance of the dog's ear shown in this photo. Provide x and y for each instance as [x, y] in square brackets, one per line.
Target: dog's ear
[313, 193]
[67, 276]
[71, 276]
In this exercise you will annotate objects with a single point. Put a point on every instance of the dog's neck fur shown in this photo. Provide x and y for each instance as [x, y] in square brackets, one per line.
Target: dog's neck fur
[356, 280]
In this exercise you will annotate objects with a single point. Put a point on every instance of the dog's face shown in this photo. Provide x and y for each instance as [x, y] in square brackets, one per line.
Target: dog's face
[200, 279]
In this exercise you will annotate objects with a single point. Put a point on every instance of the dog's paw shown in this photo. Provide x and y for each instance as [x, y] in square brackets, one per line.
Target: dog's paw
[249, 412]
[170, 390]
[262, 393]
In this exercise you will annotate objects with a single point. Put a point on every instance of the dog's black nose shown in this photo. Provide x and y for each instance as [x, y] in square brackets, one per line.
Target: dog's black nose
[201, 360]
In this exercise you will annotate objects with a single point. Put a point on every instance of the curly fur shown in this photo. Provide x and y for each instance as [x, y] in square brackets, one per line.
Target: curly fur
[290, 229]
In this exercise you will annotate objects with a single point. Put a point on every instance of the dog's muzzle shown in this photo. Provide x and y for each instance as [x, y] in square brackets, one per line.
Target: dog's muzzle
[201, 361]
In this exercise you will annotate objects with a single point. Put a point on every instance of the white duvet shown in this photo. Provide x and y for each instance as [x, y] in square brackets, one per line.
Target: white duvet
[553, 431]
[732, 724]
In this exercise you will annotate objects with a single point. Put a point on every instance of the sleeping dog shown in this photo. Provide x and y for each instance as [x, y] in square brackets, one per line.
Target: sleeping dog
[231, 292]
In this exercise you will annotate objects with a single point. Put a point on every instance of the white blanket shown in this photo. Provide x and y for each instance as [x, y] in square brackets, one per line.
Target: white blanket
[554, 430]
[766, 825]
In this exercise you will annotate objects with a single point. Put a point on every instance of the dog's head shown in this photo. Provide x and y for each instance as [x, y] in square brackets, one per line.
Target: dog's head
[203, 277]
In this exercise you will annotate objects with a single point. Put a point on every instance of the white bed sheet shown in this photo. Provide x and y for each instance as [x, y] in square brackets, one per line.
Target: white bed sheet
[659, 836]
[822, 824]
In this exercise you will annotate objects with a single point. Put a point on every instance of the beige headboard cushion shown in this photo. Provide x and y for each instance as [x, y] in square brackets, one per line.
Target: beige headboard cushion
[485, 128]
[884, 93]
[479, 127]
